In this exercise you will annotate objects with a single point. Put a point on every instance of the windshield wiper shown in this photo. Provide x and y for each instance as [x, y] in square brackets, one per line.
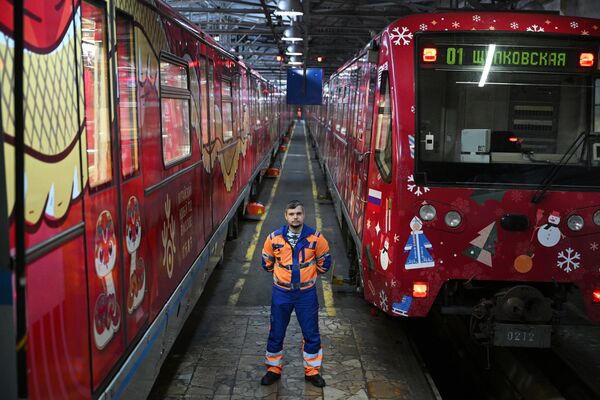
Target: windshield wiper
[531, 157]
[549, 179]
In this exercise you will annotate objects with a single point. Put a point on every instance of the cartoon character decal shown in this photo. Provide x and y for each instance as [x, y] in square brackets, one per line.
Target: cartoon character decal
[384, 253]
[107, 313]
[417, 245]
[549, 234]
[137, 273]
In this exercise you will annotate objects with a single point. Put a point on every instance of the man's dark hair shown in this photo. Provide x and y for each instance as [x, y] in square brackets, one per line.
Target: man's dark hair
[293, 204]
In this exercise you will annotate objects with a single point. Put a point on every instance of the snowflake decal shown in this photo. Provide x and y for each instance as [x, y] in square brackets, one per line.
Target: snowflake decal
[401, 38]
[568, 260]
[585, 33]
[412, 109]
[514, 25]
[574, 25]
[516, 196]
[423, 27]
[593, 246]
[393, 283]
[383, 301]
[476, 18]
[415, 189]
[462, 204]
[456, 24]
[535, 28]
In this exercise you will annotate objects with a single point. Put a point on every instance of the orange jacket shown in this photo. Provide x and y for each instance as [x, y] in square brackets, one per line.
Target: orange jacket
[296, 268]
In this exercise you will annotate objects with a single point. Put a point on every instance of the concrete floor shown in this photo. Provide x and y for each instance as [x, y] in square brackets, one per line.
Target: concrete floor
[220, 352]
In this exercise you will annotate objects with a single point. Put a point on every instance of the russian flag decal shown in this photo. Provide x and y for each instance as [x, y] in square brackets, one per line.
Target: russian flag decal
[375, 197]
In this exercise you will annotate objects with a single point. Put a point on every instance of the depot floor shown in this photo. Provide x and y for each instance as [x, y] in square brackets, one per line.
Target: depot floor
[220, 351]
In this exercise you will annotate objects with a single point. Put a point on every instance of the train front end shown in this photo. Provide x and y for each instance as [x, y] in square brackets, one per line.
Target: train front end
[498, 183]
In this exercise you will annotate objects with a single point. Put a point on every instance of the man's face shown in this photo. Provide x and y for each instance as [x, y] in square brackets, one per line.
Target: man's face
[295, 217]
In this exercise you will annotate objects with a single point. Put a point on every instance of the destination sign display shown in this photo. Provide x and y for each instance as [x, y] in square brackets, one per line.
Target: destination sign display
[506, 56]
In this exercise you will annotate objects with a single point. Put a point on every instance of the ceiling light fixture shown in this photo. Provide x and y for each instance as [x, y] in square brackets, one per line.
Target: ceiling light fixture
[293, 50]
[295, 61]
[292, 34]
[289, 8]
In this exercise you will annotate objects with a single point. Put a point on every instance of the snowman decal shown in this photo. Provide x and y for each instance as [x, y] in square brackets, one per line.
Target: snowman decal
[137, 273]
[418, 246]
[384, 254]
[549, 234]
[107, 313]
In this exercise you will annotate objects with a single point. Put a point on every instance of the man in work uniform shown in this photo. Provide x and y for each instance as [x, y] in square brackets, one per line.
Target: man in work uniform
[295, 254]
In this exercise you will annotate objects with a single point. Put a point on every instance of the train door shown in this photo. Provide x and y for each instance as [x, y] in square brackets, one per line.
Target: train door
[377, 235]
[7, 307]
[217, 187]
[104, 244]
[363, 141]
[136, 304]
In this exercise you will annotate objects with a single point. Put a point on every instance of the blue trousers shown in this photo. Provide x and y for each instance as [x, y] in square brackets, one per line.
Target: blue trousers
[306, 305]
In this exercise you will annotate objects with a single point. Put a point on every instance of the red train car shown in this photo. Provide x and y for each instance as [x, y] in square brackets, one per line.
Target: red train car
[142, 139]
[463, 152]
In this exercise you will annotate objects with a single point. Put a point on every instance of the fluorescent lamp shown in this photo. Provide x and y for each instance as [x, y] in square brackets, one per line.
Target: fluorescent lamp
[291, 34]
[295, 61]
[293, 51]
[289, 8]
[488, 64]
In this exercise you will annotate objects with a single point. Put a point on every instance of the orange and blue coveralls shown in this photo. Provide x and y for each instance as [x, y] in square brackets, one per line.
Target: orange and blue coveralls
[295, 273]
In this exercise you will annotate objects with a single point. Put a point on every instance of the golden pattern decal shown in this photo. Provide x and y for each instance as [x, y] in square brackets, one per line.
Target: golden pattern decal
[147, 18]
[168, 239]
[52, 128]
[229, 160]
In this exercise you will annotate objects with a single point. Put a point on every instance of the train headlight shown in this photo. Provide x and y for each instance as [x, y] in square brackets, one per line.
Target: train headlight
[452, 219]
[575, 223]
[597, 217]
[427, 212]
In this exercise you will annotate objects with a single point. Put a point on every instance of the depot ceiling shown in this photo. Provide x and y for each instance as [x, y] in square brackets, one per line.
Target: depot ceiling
[332, 30]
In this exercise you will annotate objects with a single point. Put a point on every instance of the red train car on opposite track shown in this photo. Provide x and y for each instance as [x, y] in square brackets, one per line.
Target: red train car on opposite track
[463, 154]
[142, 139]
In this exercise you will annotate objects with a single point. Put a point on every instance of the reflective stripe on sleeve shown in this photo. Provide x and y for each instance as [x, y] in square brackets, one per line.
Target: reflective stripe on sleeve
[322, 256]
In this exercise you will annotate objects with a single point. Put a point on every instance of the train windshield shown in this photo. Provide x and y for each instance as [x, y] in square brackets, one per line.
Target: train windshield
[505, 110]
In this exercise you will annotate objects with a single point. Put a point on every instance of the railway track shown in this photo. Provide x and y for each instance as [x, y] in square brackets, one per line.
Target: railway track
[464, 369]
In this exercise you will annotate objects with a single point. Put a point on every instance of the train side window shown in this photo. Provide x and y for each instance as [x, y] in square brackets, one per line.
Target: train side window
[204, 100]
[261, 102]
[95, 79]
[237, 114]
[216, 124]
[383, 138]
[338, 109]
[175, 109]
[127, 84]
[227, 104]
[344, 114]
[370, 105]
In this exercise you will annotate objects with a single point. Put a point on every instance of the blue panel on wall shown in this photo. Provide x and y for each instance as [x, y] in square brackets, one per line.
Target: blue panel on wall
[300, 92]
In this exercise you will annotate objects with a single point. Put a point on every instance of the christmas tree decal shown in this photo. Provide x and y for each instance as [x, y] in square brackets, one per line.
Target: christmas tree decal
[483, 246]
